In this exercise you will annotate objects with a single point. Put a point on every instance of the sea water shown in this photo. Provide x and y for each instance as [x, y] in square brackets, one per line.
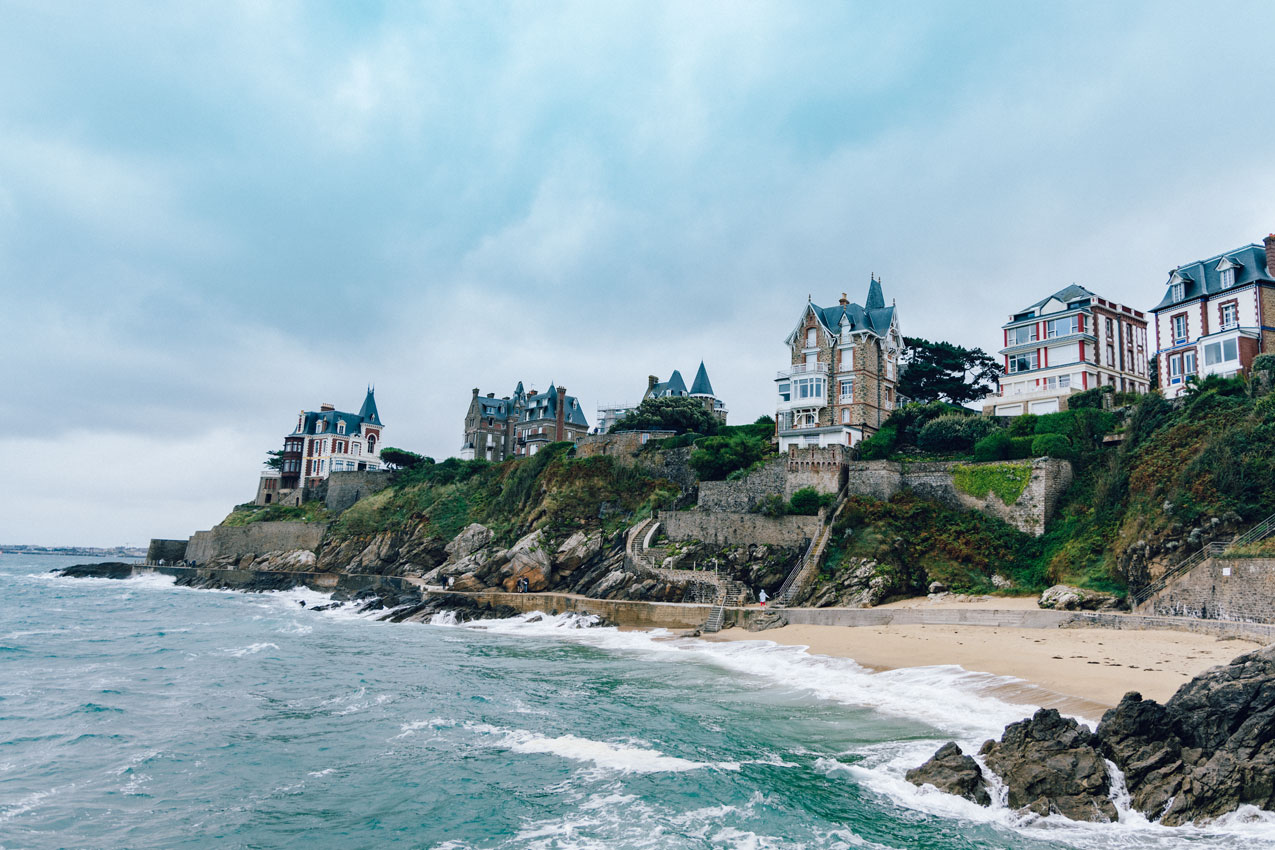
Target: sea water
[137, 714]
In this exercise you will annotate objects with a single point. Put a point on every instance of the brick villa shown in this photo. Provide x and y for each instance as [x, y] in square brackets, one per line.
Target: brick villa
[1216, 316]
[1065, 343]
[519, 425]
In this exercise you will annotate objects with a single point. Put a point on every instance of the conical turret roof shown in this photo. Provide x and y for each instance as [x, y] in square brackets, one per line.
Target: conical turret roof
[701, 384]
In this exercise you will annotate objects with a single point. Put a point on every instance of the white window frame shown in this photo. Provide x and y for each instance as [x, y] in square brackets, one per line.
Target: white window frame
[1232, 308]
[841, 390]
[1228, 278]
[1032, 358]
[1174, 322]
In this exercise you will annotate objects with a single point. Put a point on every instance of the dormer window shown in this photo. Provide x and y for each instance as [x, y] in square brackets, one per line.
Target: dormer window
[1226, 269]
[340, 427]
[1177, 291]
[322, 426]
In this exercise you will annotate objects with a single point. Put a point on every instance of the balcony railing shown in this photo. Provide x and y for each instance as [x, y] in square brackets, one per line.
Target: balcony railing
[802, 369]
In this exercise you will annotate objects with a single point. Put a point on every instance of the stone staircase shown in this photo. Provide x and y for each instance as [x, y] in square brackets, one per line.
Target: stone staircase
[806, 568]
[702, 587]
[1259, 531]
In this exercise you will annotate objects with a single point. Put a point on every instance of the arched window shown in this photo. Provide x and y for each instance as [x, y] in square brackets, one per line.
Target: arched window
[371, 444]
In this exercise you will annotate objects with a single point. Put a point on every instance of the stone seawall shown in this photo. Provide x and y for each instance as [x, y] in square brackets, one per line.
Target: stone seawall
[1220, 589]
[166, 551]
[225, 541]
[346, 488]
[730, 528]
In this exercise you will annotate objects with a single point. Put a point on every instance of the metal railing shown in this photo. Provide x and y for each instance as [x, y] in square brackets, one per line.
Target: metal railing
[801, 369]
[1260, 531]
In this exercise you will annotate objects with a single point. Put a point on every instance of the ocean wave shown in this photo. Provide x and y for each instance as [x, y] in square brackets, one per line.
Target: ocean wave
[622, 757]
[948, 697]
[252, 649]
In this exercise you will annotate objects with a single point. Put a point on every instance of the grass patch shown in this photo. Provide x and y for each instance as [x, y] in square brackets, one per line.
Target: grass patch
[250, 513]
[1006, 480]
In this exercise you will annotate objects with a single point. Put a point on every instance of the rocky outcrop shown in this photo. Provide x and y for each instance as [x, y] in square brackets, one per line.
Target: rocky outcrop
[1206, 752]
[410, 552]
[109, 569]
[862, 583]
[1050, 765]
[1209, 750]
[1063, 597]
[953, 772]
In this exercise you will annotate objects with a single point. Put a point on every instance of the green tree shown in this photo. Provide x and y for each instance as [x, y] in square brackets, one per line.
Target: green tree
[943, 371]
[274, 460]
[715, 458]
[403, 459]
[679, 414]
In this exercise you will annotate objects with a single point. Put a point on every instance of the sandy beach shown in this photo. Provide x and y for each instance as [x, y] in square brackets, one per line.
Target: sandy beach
[1083, 671]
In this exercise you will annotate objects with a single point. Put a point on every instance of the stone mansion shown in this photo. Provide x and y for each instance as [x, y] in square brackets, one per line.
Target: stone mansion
[842, 381]
[519, 425]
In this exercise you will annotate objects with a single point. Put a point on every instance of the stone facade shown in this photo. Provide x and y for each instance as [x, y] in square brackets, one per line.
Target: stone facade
[732, 529]
[226, 542]
[1220, 589]
[624, 445]
[521, 424]
[346, 488]
[841, 381]
[1050, 478]
[166, 551]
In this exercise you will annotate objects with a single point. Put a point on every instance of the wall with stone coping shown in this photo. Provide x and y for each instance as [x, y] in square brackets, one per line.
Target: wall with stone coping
[1240, 589]
[1050, 478]
[346, 488]
[730, 528]
[257, 538]
[823, 469]
[748, 492]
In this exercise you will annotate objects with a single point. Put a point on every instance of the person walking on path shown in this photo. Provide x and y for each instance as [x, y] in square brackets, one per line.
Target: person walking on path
[762, 597]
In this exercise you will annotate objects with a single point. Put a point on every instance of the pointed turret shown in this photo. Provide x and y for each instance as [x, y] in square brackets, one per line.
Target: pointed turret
[368, 411]
[676, 386]
[701, 385]
[876, 300]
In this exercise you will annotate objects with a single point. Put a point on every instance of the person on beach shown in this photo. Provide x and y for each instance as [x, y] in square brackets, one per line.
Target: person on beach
[762, 597]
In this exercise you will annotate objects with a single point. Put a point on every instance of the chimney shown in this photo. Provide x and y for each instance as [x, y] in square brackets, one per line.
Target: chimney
[325, 407]
[651, 381]
[559, 432]
[1270, 255]
[844, 300]
[491, 395]
[475, 392]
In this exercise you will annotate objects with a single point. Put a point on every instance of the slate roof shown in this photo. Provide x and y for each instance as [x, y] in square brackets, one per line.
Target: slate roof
[674, 386]
[1066, 295]
[701, 384]
[1202, 277]
[875, 317]
[547, 402]
[331, 417]
[368, 411]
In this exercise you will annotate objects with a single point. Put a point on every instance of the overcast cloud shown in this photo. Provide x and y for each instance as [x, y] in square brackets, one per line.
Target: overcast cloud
[214, 215]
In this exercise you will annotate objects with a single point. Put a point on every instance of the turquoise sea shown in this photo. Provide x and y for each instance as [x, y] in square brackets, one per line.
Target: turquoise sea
[137, 714]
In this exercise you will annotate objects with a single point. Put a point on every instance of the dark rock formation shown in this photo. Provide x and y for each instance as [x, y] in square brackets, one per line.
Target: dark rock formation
[1049, 765]
[1063, 597]
[952, 771]
[1206, 752]
[110, 569]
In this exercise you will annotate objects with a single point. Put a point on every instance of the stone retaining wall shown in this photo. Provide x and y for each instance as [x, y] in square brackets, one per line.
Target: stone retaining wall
[747, 493]
[1050, 478]
[346, 488]
[166, 551]
[1220, 589]
[257, 538]
[732, 528]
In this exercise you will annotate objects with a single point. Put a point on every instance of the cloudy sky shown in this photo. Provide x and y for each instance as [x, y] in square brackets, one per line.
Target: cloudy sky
[213, 215]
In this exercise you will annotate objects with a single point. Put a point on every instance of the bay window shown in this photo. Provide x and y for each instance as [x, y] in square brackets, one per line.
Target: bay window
[1022, 362]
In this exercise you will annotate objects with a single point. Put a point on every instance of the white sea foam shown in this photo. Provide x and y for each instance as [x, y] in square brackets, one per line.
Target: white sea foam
[947, 697]
[253, 649]
[622, 757]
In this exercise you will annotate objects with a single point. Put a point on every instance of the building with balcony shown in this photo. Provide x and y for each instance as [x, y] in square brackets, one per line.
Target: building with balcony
[1068, 342]
[518, 425]
[1216, 316]
[841, 383]
[674, 387]
[324, 441]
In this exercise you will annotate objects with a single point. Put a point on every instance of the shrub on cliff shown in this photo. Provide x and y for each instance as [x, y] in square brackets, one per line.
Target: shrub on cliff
[807, 501]
[995, 446]
[715, 458]
[679, 414]
[1051, 445]
[954, 432]
[403, 459]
